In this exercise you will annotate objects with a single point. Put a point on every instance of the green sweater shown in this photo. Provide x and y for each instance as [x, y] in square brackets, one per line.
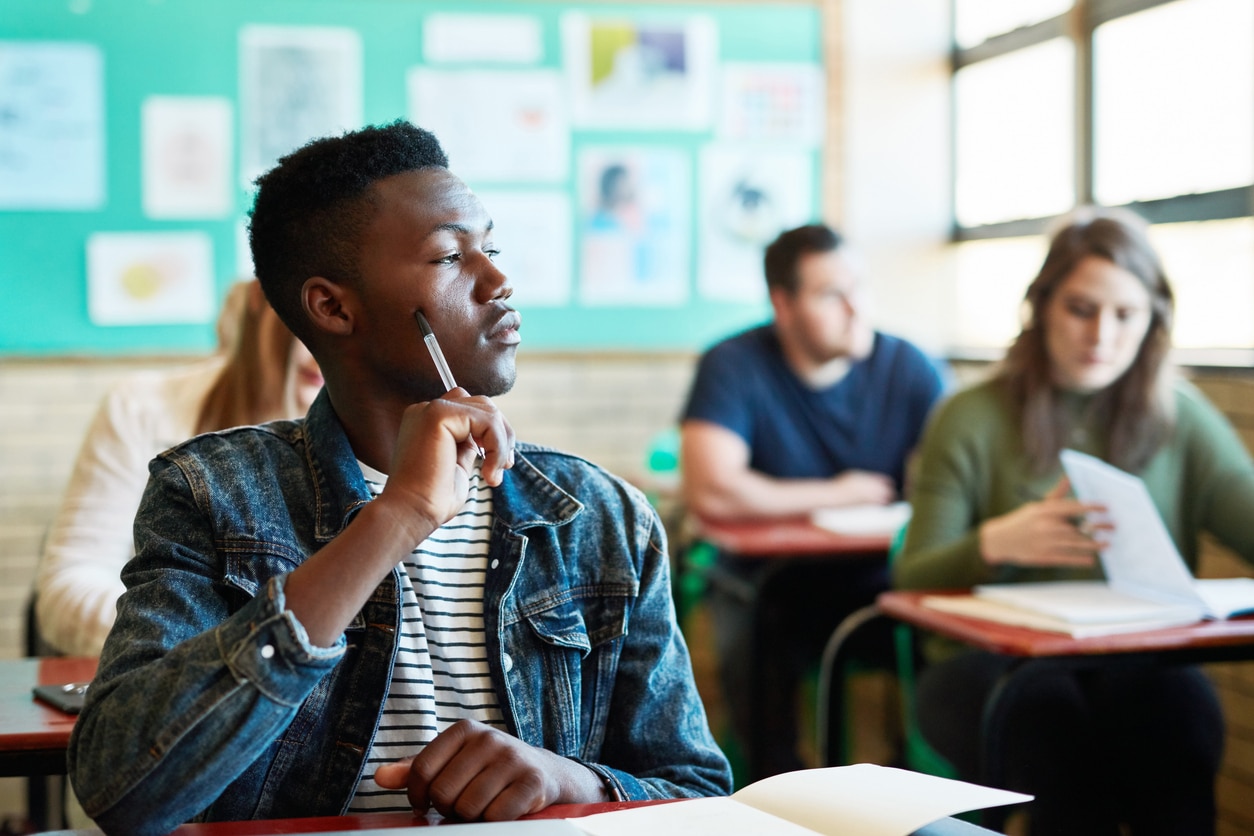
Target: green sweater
[972, 467]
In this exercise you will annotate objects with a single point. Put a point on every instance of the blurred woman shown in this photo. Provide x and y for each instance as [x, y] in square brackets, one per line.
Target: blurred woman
[1134, 744]
[262, 374]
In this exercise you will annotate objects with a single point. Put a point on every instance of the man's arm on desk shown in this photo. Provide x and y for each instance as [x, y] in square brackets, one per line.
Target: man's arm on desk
[718, 482]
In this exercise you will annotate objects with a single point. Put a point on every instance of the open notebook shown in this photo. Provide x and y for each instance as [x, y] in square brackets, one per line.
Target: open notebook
[1147, 583]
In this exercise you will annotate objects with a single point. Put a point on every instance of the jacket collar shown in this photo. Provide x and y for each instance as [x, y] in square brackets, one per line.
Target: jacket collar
[527, 496]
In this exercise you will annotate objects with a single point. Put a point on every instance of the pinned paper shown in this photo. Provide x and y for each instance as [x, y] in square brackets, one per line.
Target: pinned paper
[149, 278]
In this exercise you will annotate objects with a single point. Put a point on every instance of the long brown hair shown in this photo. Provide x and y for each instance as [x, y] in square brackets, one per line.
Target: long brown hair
[253, 384]
[1136, 411]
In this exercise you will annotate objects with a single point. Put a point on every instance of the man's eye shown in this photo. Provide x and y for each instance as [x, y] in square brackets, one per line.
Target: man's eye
[492, 253]
[449, 259]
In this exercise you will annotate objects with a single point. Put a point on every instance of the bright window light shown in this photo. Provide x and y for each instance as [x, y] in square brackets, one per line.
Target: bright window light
[975, 21]
[1174, 101]
[1015, 126]
[1211, 268]
[992, 276]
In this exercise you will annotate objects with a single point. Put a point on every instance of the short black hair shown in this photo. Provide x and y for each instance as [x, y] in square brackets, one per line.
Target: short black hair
[311, 208]
[782, 254]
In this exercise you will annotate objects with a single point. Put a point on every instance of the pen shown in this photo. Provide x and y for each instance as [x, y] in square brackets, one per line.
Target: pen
[428, 336]
[441, 365]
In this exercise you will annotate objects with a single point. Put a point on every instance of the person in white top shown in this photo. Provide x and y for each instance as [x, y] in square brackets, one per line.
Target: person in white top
[263, 373]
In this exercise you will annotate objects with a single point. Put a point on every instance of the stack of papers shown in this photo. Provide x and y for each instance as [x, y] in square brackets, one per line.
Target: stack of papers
[1148, 585]
[864, 520]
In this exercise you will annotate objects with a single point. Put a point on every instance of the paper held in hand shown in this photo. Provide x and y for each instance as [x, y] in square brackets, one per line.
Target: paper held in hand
[858, 800]
[864, 520]
[1147, 586]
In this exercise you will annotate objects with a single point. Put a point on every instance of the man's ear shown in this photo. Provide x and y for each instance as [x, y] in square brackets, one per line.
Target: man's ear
[326, 306]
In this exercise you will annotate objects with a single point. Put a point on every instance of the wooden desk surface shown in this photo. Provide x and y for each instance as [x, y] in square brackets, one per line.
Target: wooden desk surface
[26, 724]
[791, 537]
[365, 821]
[1212, 636]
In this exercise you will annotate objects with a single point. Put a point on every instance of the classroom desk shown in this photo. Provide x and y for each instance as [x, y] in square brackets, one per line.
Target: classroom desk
[1207, 641]
[785, 544]
[34, 736]
[788, 538]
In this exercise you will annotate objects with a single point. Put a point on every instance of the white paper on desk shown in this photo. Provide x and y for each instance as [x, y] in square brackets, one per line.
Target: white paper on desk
[858, 800]
[867, 520]
[1001, 612]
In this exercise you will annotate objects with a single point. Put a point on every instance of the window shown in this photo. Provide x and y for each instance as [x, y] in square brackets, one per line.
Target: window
[1147, 104]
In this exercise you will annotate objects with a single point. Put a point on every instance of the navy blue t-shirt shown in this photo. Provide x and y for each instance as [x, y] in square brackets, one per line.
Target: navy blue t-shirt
[869, 420]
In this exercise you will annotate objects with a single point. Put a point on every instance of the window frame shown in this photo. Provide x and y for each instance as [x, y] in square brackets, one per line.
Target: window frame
[1079, 23]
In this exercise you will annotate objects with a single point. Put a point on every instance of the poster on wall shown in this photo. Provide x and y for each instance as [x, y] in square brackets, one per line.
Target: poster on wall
[186, 152]
[51, 126]
[296, 83]
[532, 231]
[449, 37]
[634, 226]
[523, 137]
[772, 102]
[149, 278]
[747, 196]
[640, 73]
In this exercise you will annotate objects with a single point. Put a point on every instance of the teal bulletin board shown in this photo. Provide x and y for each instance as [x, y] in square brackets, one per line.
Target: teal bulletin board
[708, 88]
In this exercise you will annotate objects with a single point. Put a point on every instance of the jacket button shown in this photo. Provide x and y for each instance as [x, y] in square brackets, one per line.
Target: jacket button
[507, 662]
[267, 651]
[495, 563]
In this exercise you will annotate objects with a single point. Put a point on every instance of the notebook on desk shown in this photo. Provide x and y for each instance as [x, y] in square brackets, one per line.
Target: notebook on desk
[1147, 585]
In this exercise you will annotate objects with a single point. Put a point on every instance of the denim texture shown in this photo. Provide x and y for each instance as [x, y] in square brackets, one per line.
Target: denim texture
[211, 704]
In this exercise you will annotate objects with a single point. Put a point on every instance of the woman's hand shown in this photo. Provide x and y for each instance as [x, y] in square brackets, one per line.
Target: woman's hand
[1053, 531]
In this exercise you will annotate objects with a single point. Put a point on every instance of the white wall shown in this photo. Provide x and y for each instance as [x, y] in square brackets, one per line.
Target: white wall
[895, 156]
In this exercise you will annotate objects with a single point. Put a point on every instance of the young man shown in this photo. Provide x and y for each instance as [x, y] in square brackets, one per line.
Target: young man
[389, 603]
[813, 410]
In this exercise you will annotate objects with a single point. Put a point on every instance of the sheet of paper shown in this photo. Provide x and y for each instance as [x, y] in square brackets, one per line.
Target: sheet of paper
[634, 220]
[296, 83]
[51, 126]
[868, 800]
[532, 231]
[1141, 558]
[523, 137]
[633, 73]
[773, 102]
[149, 278]
[482, 38]
[864, 519]
[693, 817]
[187, 143]
[747, 196]
[859, 800]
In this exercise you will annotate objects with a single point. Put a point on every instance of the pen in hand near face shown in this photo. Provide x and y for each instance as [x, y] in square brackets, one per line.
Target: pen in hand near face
[441, 365]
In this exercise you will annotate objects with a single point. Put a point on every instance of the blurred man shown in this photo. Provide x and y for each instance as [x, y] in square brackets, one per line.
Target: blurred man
[813, 410]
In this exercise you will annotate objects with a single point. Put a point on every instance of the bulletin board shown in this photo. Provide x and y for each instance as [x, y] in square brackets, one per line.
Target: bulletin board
[635, 158]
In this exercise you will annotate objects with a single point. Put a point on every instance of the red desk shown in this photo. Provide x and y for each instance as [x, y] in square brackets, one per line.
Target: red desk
[1208, 641]
[34, 736]
[366, 821]
[792, 537]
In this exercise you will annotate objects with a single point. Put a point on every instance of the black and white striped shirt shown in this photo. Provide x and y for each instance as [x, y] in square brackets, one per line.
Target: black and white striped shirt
[441, 670]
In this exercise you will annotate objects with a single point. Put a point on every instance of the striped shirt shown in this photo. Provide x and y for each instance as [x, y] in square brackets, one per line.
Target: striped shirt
[441, 671]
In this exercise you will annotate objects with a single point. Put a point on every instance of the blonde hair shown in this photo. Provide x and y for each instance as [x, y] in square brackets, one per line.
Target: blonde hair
[253, 385]
[1136, 411]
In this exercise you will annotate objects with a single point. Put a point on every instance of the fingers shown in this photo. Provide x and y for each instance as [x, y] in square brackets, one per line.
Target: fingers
[1060, 489]
[473, 771]
[393, 776]
[487, 434]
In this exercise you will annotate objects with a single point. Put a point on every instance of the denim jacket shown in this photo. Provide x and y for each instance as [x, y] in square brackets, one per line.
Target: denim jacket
[210, 702]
